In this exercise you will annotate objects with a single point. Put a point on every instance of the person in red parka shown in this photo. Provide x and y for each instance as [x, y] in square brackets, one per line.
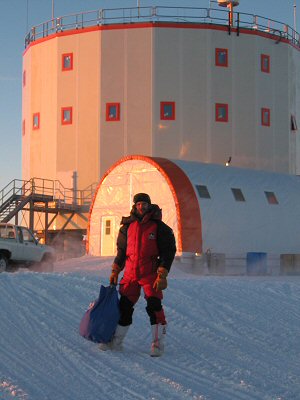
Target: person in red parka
[145, 251]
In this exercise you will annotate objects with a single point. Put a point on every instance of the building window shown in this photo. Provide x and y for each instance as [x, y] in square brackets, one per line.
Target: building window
[67, 62]
[113, 112]
[167, 110]
[265, 117]
[221, 112]
[271, 198]
[66, 115]
[24, 78]
[221, 57]
[203, 191]
[23, 127]
[107, 227]
[265, 63]
[36, 121]
[238, 194]
[293, 123]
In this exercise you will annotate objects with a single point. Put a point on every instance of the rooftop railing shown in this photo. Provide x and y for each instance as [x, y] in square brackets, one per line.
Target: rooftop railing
[131, 15]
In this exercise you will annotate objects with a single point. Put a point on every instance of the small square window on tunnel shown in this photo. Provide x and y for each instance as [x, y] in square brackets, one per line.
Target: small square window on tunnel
[203, 191]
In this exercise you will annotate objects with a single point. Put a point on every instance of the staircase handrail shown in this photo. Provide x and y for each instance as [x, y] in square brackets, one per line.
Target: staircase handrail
[14, 187]
[48, 187]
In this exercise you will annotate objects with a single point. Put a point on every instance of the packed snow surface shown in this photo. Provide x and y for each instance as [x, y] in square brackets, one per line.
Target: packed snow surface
[228, 338]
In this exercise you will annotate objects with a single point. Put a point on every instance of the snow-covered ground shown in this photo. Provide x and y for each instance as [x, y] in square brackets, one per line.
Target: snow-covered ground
[228, 338]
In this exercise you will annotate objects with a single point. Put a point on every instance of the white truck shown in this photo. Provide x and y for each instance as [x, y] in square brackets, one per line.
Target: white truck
[18, 246]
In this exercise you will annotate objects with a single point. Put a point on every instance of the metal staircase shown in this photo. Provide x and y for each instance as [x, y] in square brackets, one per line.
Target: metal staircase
[15, 196]
[43, 195]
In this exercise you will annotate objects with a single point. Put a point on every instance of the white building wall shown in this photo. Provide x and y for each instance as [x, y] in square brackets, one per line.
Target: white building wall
[185, 72]
[126, 78]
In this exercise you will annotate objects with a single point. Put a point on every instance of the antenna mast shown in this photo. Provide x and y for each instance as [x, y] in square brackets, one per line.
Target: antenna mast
[295, 16]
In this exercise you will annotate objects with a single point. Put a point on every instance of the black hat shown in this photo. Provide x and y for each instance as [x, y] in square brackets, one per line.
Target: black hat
[141, 197]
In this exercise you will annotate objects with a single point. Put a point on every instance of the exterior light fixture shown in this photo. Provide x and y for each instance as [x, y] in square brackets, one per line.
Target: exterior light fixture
[228, 162]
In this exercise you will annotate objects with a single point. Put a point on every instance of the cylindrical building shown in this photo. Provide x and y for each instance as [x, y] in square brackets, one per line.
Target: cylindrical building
[189, 84]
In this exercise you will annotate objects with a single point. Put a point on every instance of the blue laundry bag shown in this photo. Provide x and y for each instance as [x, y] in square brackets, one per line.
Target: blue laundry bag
[100, 321]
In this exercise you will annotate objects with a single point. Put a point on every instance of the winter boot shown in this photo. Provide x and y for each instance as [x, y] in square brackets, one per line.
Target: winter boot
[116, 344]
[158, 336]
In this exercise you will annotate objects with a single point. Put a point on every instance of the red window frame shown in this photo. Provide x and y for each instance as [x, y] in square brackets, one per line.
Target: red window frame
[36, 116]
[163, 115]
[23, 127]
[63, 120]
[265, 58]
[63, 67]
[218, 62]
[218, 117]
[265, 121]
[115, 116]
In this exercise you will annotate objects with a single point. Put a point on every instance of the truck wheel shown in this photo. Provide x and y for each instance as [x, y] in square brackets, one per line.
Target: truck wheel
[3, 263]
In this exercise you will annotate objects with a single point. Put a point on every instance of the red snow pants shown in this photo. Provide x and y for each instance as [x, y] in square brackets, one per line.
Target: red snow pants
[131, 290]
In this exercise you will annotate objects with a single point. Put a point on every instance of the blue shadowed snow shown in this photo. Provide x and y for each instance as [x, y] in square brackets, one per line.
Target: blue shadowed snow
[228, 338]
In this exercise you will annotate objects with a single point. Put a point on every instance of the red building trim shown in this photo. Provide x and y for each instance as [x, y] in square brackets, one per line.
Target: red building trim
[63, 64]
[64, 119]
[113, 112]
[186, 203]
[265, 63]
[165, 115]
[36, 121]
[219, 54]
[266, 117]
[221, 112]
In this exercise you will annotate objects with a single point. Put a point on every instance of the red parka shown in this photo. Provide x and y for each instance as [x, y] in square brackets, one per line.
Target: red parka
[144, 244]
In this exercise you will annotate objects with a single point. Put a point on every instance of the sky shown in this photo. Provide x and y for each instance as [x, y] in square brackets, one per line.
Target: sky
[228, 338]
[18, 16]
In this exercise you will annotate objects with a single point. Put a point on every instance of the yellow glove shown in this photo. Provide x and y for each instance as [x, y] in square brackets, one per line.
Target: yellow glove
[115, 270]
[161, 280]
